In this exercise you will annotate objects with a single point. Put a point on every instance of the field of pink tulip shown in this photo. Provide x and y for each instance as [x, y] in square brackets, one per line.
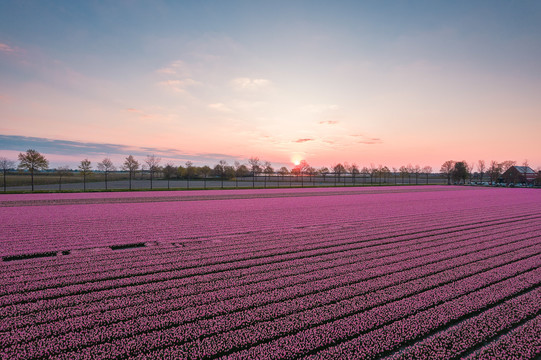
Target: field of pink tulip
[439, 272]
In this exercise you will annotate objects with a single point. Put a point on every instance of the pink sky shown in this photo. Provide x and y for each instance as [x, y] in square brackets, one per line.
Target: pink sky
[301, 84]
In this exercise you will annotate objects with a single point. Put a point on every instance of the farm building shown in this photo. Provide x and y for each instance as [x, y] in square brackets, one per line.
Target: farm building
[519, 174]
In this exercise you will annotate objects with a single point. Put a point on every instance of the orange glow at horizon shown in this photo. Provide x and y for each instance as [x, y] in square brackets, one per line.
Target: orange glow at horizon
[296, 159]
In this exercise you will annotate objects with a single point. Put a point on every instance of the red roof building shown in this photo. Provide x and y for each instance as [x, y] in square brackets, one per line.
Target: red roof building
[519, 175]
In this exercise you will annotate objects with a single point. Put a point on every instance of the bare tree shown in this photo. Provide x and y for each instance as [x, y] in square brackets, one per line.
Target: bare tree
[153, 163]
[6, 165]
[324, 171]
[301, 170]
[373, 172]
[447, 169]
[481, 167]
[494, 171]
[395, 172]
[106, 166]
[32, 161]
[338, 170]
[385, 172]
[85, 169]
[62, 171]
[283, 171]
[131, 165]
[354, 171]
[268, 170]
[255, 168]
[311, 172]
[404, 171]
[427, 170]
[417, 172]
[505, 165]
[365, 171]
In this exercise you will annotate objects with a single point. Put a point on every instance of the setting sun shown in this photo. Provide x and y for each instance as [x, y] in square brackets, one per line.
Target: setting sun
[296, 159]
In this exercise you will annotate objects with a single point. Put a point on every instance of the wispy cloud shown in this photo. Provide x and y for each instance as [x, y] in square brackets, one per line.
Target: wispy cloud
[329, 122]
[177, 67]
[303, 140]
[6, 48]
[179, 86]
[245, 83]
[367, 140]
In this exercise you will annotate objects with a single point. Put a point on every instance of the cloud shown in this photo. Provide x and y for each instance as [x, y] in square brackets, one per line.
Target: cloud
[95, 151]
[6, 48]
[178, 85]
[177, 67]
[220, 107]
[303, 140]
[367, 140]
[250, 84]
[329, 122]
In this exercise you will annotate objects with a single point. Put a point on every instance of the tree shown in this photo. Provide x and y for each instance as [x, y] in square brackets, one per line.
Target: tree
[354, 171]
[300, 170]
[153, 163]
[106, 166]
[494, 171]
[268, 170]
[427, 170]
[372, 171]
[311, 172]
[131, 165]
[324, 171]
[32, 161]
[255, 168]
[169, 171]
[6, 165]
[447, 170]
[403, 172]
[219, 170]
[241, 170]
[62, 171]
[460, 172]
[385, 172]
[205, 171]
[481, 167]
[365, 172]
[85, 169]
[189, 172]
[417, 172]
[283, 172]
[338, 169]
[507, 164]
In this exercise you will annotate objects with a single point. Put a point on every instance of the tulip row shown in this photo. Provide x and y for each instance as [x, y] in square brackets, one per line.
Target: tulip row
[160, 323]
[257, 282]
[523, 342]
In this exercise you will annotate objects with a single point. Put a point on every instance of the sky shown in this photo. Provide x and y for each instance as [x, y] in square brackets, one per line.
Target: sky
[364, 82]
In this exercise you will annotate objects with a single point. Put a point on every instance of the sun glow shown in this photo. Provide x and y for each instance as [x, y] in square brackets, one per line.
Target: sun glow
[296, 159]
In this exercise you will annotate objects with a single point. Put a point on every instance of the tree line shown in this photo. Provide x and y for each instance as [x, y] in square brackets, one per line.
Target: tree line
[456, 171]
[461, 171]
